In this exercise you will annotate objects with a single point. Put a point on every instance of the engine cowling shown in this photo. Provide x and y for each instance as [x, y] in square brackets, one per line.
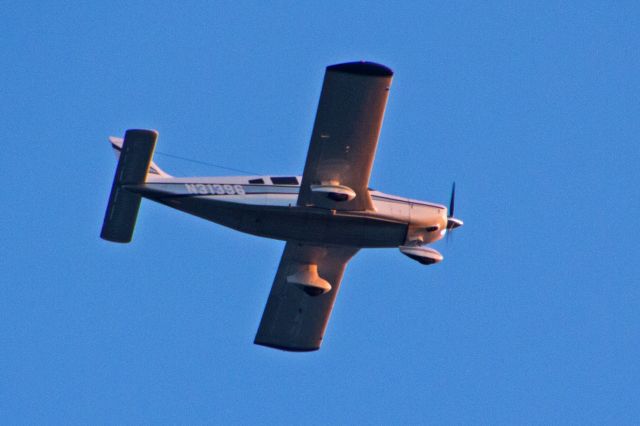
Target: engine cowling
[423, 255]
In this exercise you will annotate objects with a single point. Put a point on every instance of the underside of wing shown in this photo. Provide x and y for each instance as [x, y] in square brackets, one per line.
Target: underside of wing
[302, 296]
[345, 136]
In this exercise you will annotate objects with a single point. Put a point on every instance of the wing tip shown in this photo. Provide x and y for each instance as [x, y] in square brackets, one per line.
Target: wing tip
[362, 68]
[286, 348]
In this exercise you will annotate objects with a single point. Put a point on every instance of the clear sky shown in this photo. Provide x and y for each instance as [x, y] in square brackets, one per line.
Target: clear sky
[531, 107]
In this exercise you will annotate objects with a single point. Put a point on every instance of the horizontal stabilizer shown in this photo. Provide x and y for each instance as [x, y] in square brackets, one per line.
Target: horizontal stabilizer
[133, 166]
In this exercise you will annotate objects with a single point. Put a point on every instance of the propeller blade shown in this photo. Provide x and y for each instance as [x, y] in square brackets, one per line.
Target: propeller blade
[453, 199]
[452, 222]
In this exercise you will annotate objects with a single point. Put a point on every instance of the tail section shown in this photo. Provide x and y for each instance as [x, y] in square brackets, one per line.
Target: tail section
[154, 170]
[134, 162]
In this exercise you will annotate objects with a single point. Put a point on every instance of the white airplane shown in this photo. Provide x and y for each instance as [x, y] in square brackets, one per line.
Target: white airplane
[325, 216]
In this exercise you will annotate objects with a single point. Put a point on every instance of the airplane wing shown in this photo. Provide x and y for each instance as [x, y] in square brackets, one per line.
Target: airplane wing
[345, 134]
[294, 319]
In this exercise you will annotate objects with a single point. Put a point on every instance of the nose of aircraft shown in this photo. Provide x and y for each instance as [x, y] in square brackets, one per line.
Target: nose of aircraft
[453, 222]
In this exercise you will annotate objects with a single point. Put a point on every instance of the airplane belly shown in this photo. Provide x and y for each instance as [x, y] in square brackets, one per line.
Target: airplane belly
[283, 220]
[321, 226]
[287, 223]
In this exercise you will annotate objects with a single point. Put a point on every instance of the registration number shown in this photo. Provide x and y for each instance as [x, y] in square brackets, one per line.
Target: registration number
[214, 189]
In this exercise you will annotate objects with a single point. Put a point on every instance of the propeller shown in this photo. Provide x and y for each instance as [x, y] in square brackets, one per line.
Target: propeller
[452, 201]
[452, 222]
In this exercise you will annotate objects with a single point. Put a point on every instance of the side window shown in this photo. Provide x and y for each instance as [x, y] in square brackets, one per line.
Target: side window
[289, 180]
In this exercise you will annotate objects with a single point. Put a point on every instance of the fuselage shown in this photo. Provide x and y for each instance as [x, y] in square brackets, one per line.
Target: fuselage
[267, 206]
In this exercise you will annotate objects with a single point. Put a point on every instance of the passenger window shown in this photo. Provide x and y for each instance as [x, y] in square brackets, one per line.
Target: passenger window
[284, 180]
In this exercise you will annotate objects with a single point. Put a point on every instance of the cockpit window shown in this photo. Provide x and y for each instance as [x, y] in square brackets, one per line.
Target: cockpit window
[289, 180]
[258, 181]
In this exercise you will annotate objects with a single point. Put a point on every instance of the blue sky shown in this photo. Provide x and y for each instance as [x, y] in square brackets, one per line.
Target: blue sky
[531, 107]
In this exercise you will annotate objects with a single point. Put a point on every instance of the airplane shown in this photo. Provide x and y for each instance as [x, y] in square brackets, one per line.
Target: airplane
[325, 216]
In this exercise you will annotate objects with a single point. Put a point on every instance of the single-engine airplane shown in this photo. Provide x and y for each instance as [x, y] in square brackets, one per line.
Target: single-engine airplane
[325, 216]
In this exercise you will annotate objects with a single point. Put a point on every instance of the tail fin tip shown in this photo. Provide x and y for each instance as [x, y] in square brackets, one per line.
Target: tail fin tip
[154, 169]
